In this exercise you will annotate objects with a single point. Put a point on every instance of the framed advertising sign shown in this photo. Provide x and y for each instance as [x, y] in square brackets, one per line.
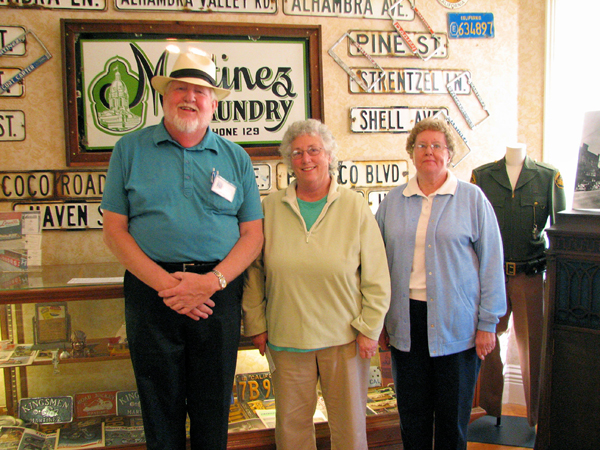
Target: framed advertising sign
[273, 72]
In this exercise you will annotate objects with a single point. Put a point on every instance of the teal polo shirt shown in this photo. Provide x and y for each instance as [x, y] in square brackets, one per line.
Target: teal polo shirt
[165, 191]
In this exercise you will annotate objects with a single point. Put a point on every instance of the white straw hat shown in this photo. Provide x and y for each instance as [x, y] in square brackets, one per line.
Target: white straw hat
[194, 69]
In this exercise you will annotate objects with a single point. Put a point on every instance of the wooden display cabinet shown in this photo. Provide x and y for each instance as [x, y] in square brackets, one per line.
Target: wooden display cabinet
[570, 398]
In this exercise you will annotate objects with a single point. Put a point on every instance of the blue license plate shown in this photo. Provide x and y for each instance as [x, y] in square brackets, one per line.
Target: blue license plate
[470, 25]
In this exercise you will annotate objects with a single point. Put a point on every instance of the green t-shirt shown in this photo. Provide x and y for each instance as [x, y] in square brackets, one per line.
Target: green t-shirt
[310, 211]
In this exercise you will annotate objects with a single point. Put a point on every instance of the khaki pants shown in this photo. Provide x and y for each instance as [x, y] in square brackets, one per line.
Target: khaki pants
[525, 300]
[343, 375]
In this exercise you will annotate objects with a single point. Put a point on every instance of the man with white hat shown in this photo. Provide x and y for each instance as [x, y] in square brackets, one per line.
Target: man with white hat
[182, 213]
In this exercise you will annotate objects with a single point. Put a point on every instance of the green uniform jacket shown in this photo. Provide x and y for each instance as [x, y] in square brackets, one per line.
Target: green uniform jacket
[522, 215]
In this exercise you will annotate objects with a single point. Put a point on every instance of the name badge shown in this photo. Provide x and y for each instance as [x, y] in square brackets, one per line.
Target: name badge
[224, 188]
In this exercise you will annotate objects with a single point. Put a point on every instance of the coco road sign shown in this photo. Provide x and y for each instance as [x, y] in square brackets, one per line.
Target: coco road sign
[51, 185]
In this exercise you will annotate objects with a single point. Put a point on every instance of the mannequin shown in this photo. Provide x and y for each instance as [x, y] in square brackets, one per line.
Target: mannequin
[515, 156]
[526, 195]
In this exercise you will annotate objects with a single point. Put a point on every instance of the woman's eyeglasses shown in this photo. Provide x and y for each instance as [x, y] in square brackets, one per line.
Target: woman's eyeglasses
[312, 151]
[434, 147]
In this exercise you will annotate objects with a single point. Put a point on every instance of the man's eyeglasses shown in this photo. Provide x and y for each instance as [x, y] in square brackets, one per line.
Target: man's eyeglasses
[312, 151]
[434, 147]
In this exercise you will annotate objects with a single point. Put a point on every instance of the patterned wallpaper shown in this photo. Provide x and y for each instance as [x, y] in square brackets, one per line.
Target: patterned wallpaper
[507, 71]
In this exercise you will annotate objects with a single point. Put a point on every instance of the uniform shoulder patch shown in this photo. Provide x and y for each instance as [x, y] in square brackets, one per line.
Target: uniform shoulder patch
[558, 181]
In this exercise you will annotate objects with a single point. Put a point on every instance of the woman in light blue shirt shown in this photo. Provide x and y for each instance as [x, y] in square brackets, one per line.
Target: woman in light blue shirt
[444, 253]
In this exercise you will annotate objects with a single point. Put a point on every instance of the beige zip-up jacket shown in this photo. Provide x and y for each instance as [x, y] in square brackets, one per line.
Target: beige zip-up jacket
[317, 288]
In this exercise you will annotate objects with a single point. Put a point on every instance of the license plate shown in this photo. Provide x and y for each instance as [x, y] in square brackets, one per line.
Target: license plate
[471, 25]
[254, 386]
[262, 173]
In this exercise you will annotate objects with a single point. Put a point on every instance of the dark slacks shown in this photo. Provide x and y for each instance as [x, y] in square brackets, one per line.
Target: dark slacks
[183, 366]
[435, 394]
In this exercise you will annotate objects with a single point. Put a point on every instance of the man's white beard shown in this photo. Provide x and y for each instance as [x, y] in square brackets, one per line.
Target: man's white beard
[187, 126]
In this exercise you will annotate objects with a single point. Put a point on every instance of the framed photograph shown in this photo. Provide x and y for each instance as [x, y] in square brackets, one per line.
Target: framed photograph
[51, 323]
[274, 73]
[587, 181]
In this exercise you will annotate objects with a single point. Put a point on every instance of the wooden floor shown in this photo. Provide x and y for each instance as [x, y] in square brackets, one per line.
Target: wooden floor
[508, 410]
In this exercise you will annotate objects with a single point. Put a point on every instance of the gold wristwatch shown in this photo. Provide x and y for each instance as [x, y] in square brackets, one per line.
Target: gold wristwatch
[222, 280]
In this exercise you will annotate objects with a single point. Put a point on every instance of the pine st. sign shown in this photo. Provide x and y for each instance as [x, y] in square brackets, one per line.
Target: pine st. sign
[389, 43]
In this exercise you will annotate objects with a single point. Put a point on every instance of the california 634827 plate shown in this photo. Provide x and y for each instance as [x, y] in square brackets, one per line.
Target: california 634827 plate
[46, 409]
[471, 25]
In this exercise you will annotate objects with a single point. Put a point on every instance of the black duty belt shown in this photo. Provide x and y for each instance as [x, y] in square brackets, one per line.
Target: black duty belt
[529, 267]
[194, 267]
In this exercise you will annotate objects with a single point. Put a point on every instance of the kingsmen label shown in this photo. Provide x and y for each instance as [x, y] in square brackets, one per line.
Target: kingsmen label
[46, 409]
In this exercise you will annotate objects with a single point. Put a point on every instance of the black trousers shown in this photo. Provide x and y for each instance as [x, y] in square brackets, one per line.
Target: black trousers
[435, 394]
[183, 366]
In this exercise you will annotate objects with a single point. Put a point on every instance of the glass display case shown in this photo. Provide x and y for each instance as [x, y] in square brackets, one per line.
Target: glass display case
[50, 311]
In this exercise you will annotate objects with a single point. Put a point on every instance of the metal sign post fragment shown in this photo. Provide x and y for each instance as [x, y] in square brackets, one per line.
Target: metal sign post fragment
[444, 115]
[450, 87]
[405, 35]
[348, 70]
[31, 67]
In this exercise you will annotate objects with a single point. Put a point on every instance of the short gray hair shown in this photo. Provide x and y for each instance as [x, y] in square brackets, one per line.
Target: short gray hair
[312, 127]
[431, 124]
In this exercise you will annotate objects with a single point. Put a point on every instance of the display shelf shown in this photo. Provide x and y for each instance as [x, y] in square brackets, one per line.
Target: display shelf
[51, 283]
